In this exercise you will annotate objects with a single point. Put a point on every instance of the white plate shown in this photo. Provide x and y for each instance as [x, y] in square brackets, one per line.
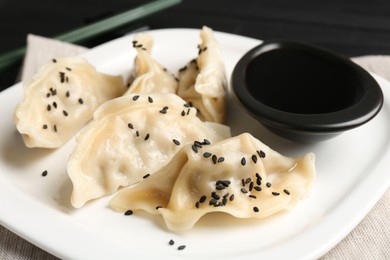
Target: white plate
[351, 169]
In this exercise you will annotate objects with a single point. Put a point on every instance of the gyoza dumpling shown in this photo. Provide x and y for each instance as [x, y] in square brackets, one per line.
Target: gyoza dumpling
[240, 176]
[149, 76]
[203, 81]
[60, 99]
[130, 138]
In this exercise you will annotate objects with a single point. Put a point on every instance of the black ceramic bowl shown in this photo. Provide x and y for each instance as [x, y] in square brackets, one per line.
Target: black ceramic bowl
[304, 93]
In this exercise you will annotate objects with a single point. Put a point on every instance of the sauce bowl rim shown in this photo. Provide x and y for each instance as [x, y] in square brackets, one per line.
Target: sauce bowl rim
[366, 108]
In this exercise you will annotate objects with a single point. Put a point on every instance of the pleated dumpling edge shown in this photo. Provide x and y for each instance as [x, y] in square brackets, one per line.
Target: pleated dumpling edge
[239, 176]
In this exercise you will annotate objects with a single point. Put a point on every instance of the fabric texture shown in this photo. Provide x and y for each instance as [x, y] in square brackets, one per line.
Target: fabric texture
[369, 240]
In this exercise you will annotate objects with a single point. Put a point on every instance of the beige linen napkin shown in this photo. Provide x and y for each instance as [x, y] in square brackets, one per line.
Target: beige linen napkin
[369, 240]
[41, 49]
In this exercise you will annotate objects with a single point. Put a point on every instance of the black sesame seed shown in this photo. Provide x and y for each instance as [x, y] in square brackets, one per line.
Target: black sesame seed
[226, 183]
[194, 148]
[81, 101]
[55, 128]
[243, 161]
[258, 176]
[137, 133]
[213, 202]
[55, 104]
[220, 187]
[219, 204]
[275, 193]
[67, 68]
[146, 176]
[44, 126]
[62, 77]
[67, 94]
[251, 186]
[268, 184]
[48, 107]
[286, 191]
[150, 100]
[203, 199]
[215, 196]
[183, 113]
[205, 48]
[188, 111]
[231, 197]
[257, 188]
[226, 195]
[171, 242]
[261, 154]
[256, 209]
[243, 190]
[183, 69]
[254, 158]
[176, 142]
[158, 207]
[214, 158]
[48, 95]
[181, 247]
[258, 182]
[135, 97]
[206, 142]
[206, 155]
[243, 181]
[53, 92]
[130, 125]
[44, 173]
[197, 204]
[65, 113]
[54, 60]
[146, 137]
[221, 159]
[252, 196]
[248, 180]
[198, 144]
[224, 201]
[129, 212]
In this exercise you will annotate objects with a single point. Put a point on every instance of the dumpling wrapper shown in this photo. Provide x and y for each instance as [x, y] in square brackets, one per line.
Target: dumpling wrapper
[149, 76]
[60, 99]
[240, 166]
[203, 81]
[131, 137]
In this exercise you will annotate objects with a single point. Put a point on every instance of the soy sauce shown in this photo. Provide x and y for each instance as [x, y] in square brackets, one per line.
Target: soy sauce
[303, 82]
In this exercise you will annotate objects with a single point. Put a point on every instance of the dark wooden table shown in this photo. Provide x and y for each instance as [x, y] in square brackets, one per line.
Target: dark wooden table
[349, 27]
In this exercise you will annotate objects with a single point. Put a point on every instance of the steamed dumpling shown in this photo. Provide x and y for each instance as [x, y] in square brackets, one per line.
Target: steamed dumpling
[60, 99]
[240, 176]
[130, 138]
[149, 76]
[203, 81]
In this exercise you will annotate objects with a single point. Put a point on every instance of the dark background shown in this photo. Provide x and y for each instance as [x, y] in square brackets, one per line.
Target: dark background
[351, 28]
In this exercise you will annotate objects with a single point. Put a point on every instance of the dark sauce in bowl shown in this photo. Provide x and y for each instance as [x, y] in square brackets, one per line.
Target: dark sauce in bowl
[304, 93]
